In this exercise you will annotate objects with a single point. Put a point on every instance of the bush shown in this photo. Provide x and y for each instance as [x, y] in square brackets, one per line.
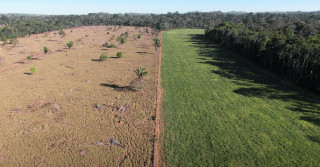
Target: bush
[112, 46]
[139, 36]
[121, 40]
[45, 50]
[103, 57]
[29, 57]
[33, 70]
[14, 41]
[70, 44]
[119, 54]
[105, 44]
[108, 33]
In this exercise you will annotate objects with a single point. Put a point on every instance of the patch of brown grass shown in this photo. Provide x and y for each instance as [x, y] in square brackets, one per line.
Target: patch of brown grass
[49, 119]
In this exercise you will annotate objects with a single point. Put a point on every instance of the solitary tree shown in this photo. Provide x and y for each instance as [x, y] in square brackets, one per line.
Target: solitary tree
[70, 44]
[46, 50]
[103, 57]
[140, 72]
[33, 70]
[119, 54]
[156, 43]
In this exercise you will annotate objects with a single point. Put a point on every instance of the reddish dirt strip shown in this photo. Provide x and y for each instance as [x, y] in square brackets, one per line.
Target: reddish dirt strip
[157, 160]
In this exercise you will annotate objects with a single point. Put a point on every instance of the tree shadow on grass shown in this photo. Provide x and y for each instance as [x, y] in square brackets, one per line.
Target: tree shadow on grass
[118, 88]
[253, 81]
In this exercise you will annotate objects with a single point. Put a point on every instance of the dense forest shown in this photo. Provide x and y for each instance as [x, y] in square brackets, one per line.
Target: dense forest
[12, 26]
[285, 43]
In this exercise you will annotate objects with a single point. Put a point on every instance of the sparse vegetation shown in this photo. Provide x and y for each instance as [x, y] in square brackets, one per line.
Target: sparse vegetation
[105, 44]
[70, 44]
[112, 46]
[103, 57]
[29, 58]
[45, 50]
[119, 54]
[33, 70]
[121, 40]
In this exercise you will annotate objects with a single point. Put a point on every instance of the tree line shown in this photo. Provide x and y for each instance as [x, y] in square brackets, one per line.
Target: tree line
[286, 44]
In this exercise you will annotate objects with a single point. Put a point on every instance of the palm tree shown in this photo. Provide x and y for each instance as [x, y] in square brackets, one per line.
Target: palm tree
[140, 72]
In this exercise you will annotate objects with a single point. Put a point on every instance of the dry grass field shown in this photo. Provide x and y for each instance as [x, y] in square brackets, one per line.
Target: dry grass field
[52, 118]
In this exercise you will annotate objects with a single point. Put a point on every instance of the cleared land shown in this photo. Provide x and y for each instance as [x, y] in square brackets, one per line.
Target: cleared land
[220, 110]
[51, 118]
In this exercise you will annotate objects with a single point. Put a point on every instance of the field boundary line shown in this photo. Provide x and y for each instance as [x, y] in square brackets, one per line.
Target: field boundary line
[157, 159]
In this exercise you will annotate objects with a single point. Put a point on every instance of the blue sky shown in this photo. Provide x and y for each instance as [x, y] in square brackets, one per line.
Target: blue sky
[152, 6]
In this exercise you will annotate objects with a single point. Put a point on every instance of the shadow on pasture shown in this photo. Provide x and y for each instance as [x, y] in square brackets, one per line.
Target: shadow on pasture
[97, 60]
[117, 87]
[252, 81]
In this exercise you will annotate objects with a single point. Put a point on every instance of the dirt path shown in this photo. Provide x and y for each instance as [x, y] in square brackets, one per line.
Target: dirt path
[157, 160]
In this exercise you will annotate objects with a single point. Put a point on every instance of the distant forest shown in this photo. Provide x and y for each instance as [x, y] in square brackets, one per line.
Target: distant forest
[287, 44]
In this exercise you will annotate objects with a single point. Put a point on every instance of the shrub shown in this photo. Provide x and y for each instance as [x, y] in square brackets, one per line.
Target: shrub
[103, 57]
[29, 57]
[108, 33]
[119, 54]
[121, 40]
[139, 36]
[112, 46]
[33, 70]
[45, 50]
[14, 41]
[70, 44]
[105, 44]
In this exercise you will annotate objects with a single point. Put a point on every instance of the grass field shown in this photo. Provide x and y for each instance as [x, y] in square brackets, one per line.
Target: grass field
[51, 118]
[220, 110]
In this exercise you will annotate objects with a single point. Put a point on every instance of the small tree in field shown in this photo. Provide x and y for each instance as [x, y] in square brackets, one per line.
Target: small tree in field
[103, 57]
[70, 44]
[156, 43]
[29, 58]
[33, 70]
[137, 83]
[119, 54]
[46, 50]
[140, 72]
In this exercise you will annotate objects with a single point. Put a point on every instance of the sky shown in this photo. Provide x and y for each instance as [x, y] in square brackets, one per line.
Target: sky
[153, 6]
